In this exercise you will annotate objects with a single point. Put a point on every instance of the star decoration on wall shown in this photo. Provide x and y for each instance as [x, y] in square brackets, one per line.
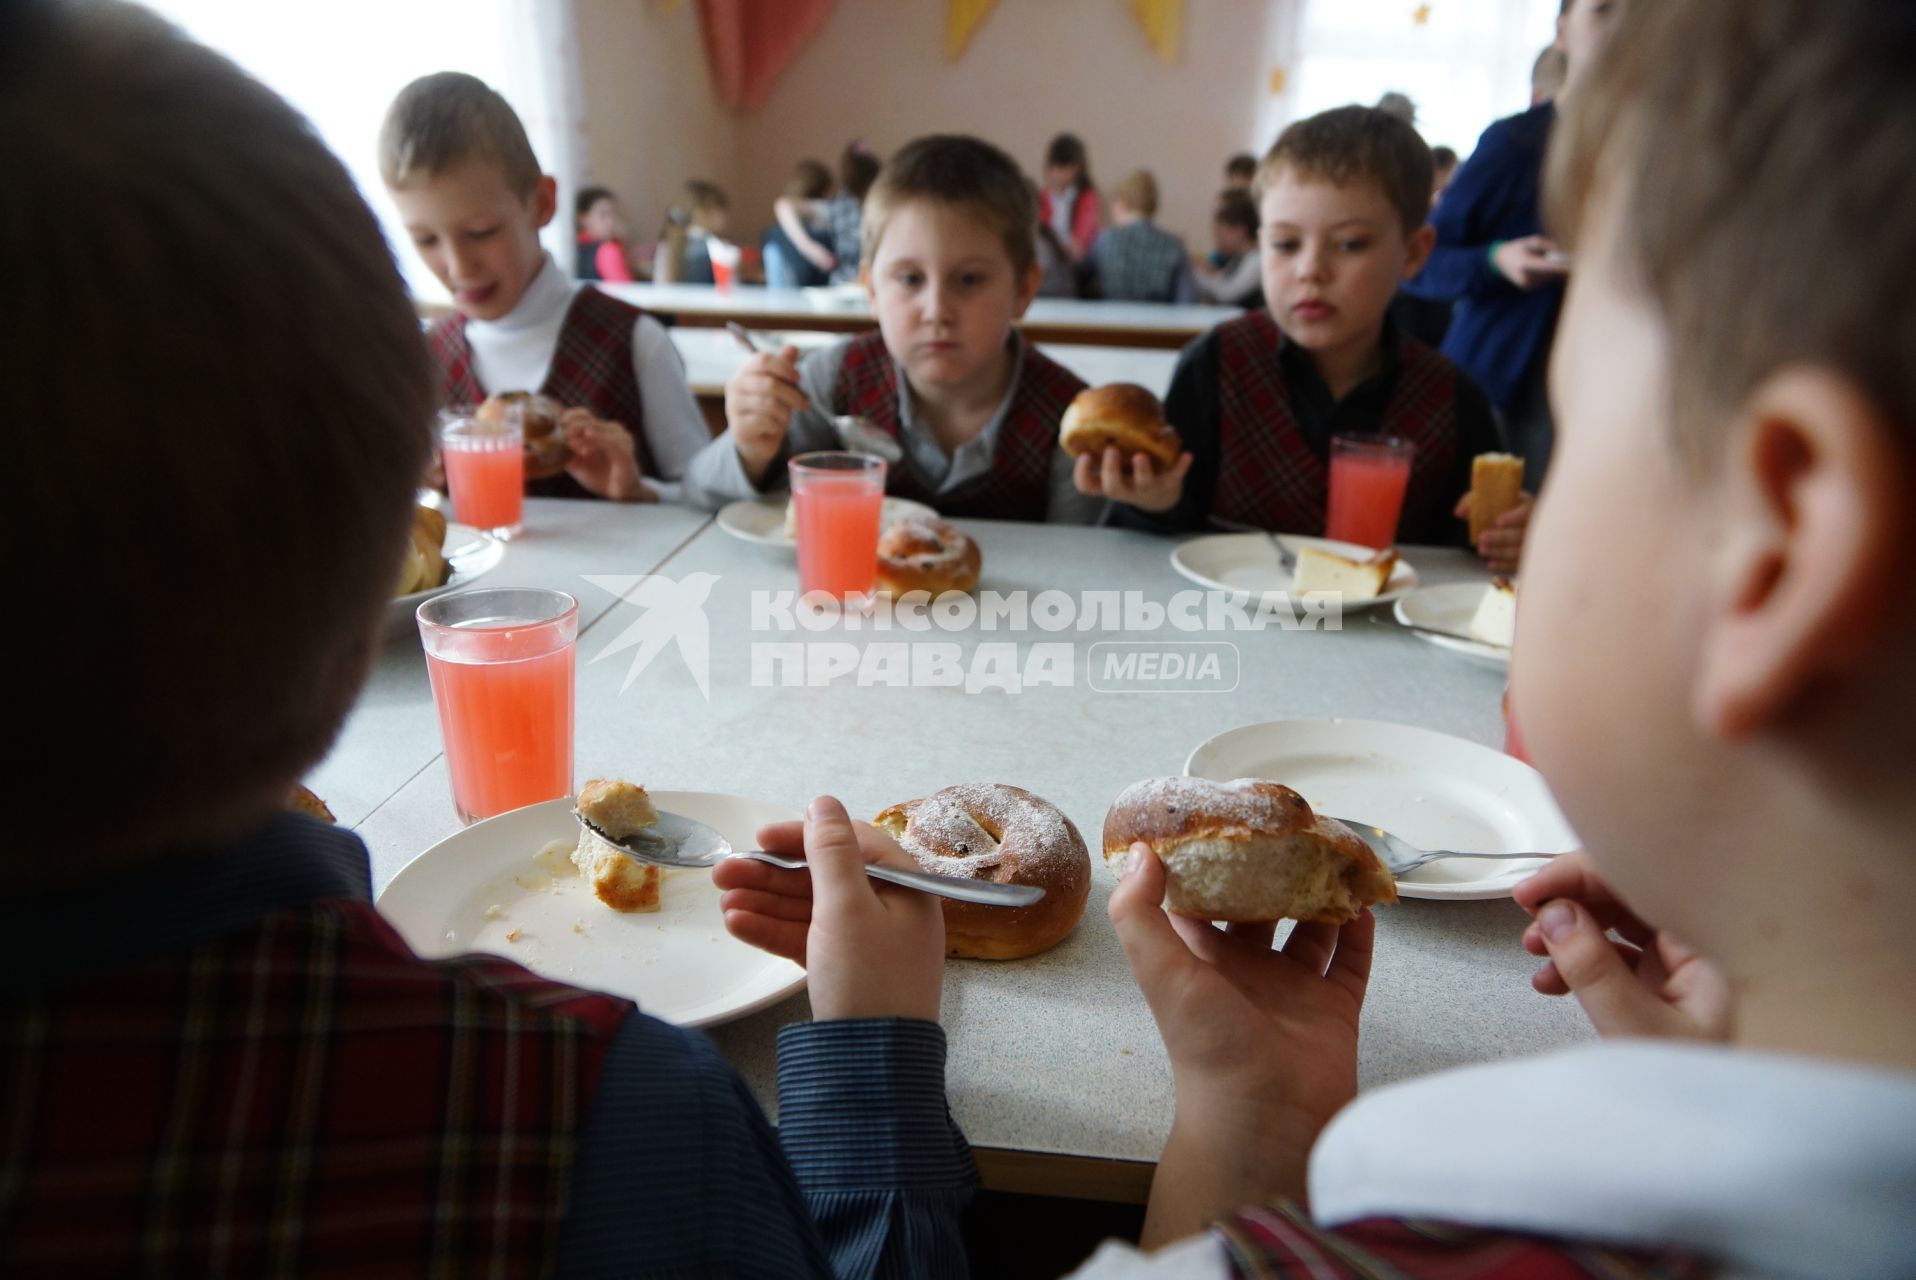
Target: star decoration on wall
[1420, 16]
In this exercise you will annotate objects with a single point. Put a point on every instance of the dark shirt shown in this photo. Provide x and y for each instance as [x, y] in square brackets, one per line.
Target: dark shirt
[1192, 407]
[678, 1172]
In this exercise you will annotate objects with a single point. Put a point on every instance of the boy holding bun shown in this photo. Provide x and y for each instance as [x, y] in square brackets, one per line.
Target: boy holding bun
[215, 1057]
[1343, 199]
[951, 254]
[1736, 753]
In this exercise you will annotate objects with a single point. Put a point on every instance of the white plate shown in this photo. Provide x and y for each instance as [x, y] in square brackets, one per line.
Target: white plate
[1248, 562]
[1450, 608]
[1436, 791]
[762, 520]
[471, 552]
[678, 962]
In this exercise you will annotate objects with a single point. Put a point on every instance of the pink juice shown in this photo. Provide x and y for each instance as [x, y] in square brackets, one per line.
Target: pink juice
[507, 727]
[1367, 496]
[487, 480]
[837, 520]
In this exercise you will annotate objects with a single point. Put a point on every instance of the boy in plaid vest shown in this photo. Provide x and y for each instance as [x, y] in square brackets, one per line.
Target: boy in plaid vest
[456, 160]
[215, 1057]
[1343, 199]
[950, 250]
[1737, 452]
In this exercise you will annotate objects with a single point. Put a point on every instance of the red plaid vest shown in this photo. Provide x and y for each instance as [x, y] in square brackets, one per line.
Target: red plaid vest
[1018, 486]
[591, 369]
[1281, 1241]
[302, 1097]
[1268, 476]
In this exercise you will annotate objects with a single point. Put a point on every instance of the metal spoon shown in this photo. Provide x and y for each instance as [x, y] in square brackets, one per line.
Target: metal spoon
[857, 435]
[1401, 856]
[677, 841]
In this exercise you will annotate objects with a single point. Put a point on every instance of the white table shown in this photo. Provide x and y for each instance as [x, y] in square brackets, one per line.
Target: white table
[1056, 1072]
[712, 356]
[1065, 320]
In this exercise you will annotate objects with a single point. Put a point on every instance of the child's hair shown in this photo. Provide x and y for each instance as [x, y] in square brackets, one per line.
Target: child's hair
[202, 311]
[810, 180]
[587, 197]
[1241, 167]
[1235, 208]
[857, 170]
[1067, 152]
[440, 121]
[963, 173]
[1139, 192]
[1763, 187]
[1442, 158]
[706, 197]
[1350, 144]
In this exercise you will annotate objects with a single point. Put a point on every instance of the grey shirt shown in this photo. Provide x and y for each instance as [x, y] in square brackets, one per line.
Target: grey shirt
[716, 475]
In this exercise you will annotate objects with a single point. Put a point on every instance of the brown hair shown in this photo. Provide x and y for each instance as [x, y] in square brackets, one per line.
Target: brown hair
[1139, 191]
[1353, 144]
[204, 311]
[810, 180]
[1236, 209]
[1763, 185]
[702, 196]
[440, 121]
[963, 173]
[1242, 165]
[587, 197]
[857, 170]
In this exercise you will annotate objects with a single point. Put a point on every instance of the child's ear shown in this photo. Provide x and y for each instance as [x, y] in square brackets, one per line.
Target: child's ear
[1417, 249]
[545, 200]
[1802, 580]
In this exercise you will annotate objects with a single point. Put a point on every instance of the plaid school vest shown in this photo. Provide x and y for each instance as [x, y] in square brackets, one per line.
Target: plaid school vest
[591, 369]
[1018, 485]
[1268, 476]
[1280, 1240]
[303, 1097]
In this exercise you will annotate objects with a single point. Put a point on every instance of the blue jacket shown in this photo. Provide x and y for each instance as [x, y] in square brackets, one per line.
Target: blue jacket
[1498, 332]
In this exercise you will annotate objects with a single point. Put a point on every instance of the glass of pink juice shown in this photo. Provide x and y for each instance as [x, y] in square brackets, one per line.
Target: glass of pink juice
[1368, 477]
[501, 667]
[485, 473]
[836, 499]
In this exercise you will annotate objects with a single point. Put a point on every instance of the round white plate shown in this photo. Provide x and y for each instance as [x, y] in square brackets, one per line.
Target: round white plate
[677, 962]
[1249, 562]
[1450, 608]
[762, 520]
[1436, 791]
[471, 552]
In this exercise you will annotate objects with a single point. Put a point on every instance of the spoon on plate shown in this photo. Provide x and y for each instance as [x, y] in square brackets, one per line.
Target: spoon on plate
[677, 841]
[856, 434]
[1400, 856]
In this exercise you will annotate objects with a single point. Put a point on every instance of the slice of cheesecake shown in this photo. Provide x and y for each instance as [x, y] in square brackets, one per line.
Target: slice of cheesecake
[1495, 622]
[1354, 580]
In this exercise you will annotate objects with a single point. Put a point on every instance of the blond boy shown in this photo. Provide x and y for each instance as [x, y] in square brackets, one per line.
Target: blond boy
[1738, 459]
[951, 263]
[468, 188]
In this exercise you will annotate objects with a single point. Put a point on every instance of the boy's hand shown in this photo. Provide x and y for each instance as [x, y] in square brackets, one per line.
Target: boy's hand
[1142, 484]
[1651, 984]
[823, 259]
[1263, 1042]
[1530, 262]
[604, 459]
[1501, 545]
[870, 950]
[760, 400]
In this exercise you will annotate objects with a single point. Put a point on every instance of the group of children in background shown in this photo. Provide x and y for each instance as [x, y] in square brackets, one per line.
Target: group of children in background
[262, 1079]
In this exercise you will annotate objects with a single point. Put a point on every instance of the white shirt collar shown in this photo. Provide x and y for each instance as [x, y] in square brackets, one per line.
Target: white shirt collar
[1775, 1165]
[514, 352]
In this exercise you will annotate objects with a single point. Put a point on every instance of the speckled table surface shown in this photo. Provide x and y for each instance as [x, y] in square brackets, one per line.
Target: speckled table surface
[1055, 1054]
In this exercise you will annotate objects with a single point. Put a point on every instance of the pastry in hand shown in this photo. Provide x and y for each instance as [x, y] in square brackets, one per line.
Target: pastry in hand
[541, 435]
[1496, 485]
[1122, 414]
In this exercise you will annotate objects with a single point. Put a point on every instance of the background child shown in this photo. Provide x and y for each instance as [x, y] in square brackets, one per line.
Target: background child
[684, 254]
[458, 166]
[218, 1058]
[1069, 199]
[1342, 197]
[1443, 167]
[1234, 276]
[1737, 757]
[603, 253]
[1240, 171]
[951, 264]
[1134, 259]
[838, 252]
[787, 265]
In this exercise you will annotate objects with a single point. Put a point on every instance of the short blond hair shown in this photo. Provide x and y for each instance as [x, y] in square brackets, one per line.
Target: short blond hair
[1352, 144]
[441, 121]
[960, 172]
[1139, 192]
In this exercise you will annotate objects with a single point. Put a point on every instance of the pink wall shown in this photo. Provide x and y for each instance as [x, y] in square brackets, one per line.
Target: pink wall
[878, 71]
